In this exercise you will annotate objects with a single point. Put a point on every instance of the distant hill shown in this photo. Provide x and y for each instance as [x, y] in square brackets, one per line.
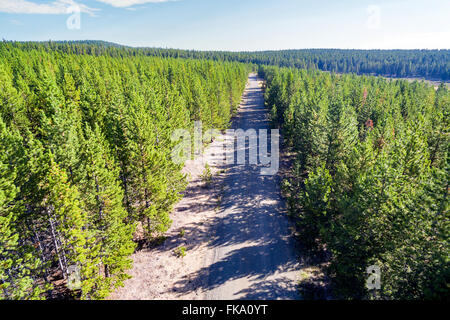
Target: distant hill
[100, 43]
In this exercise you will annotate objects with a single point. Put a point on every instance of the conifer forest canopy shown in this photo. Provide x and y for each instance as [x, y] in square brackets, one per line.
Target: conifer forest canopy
[86, 169]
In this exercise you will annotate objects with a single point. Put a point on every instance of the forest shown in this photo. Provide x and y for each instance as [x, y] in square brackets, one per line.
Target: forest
[369, 179]
[85, 160]
[429, 64]
[86, 170]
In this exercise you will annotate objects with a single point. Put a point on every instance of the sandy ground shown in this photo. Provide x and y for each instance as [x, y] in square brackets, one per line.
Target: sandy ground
[158, 272]
[238, 240]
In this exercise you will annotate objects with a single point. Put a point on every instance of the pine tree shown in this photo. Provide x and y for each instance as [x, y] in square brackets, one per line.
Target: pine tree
[147, 182]
[67, 223]
[17, 264]
[103, 201]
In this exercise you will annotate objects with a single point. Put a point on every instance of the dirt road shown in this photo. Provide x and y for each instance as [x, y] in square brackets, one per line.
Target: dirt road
[235, 232]
[253, 254]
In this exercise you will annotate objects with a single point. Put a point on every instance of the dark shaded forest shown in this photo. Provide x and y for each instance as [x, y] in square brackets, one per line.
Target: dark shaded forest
[430, 64]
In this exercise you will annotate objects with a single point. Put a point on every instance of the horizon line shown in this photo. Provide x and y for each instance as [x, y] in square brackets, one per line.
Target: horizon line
[223, 50]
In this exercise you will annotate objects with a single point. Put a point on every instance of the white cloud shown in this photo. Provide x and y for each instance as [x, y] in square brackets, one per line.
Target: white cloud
[55, 7]
[64, 6]
[129, 3]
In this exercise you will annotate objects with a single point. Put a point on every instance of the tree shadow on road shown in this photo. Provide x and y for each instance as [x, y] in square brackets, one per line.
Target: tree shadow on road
[251, 232]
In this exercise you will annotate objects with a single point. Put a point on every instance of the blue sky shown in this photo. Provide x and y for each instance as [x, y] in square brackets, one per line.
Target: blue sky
[233, 24]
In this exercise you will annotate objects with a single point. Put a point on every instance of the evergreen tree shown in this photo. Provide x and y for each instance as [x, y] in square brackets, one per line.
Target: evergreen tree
[18, 265]
[103, 201]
